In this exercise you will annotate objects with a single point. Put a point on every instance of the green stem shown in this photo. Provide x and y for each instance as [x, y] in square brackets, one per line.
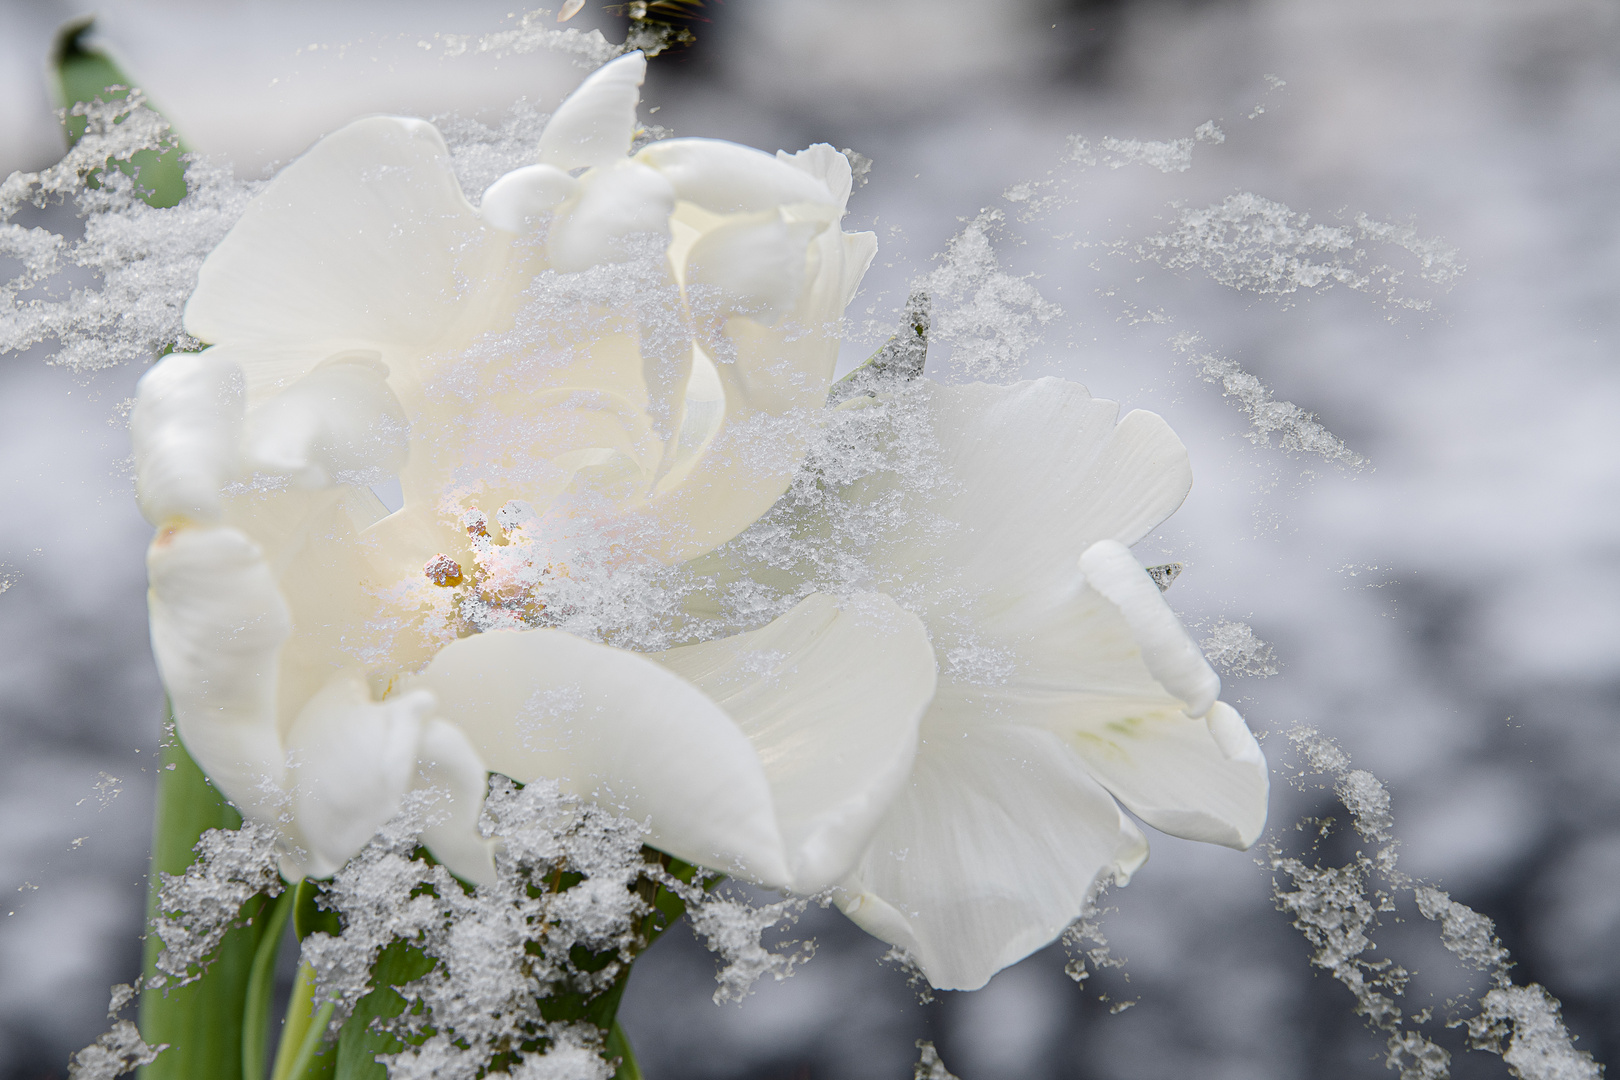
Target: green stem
[201, 1021]
[618, 1046]
[302, 1032]
[261, 987]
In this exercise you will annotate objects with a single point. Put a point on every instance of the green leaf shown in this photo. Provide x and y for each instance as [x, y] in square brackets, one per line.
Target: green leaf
[80, 73]
[358, 1044]
[261, 987]
[201, 1021]
[900, 359]
[618, 1046]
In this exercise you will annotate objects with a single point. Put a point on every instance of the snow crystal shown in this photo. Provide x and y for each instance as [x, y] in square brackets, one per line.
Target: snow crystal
[1252, 243]
[1296, 430]
[531, 35]
[1164, 575]
[1233, 647]
[1338, 909]
[119, 1051]
[146, 258]
[196, 909]
[929, 1066]
[732, 929]
[987, 317]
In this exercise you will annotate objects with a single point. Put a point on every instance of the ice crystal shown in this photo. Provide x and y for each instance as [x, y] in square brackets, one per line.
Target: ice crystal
[987, 317]
[120, 1049]
[145, 258]
[1233, 647]
[1164, 575]
[1173, 156]
[732, 930]
[531, 34]
[1252, 243]
[929, 1066]
[1338, 910]
[1295, 429]
[196, 909]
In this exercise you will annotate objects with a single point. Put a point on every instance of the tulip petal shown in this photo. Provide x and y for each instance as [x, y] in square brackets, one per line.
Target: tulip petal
[218, 624]
[615, 204]
[185, 426]
[1171, 656]
[452, 769]
[352, 760]
[616, 727]
[363, 240]
[341, 423]
[830, 695]
[1083, 675]
[728, 178]
[516, 199]
[594, 124]
[989, 852]
[1041, 472]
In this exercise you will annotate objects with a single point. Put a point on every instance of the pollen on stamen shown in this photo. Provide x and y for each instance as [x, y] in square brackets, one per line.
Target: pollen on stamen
[443, 570]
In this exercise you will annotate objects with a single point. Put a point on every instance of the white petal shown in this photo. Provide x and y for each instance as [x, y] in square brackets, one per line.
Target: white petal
[614, 205]
[989, 852]
[522, 195]
[594, 124]
[755, 263]
[1082, 675]
[365, 239]
[451, 768]
[341, 423]
[830, 695]
[352, 760]
[1041, 471]
[827, 165]
[728, 178]
[218, 624]
[616, 727]
[1170, 655]
[185, 426]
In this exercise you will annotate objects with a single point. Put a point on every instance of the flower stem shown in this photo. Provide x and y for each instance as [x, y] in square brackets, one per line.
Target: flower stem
[303, 1032]
[618, 1045]
[202, 1020]
[261, 987]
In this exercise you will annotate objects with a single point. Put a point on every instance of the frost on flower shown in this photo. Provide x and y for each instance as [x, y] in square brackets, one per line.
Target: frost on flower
[987, 317]
[141, 261]
[195, 910]
[1233, 647]
[1338, 909]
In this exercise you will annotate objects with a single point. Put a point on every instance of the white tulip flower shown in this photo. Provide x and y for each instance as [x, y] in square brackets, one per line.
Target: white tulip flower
[614, 359]
[1066, 682]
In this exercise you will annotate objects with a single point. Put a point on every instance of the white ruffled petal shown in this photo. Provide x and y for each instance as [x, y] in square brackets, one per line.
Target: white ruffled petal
[989, 851]
[615, 205]
[185, 426]
[595, 124]
[728, 178]
[753, 265]
[1082, 675]
[515, 201]
[365, 240]
[827, 165]
[452, 770]
[1171, 656]
[830, 695]
[615, 727]
[352, 760]
[218, 624]
[340, 424]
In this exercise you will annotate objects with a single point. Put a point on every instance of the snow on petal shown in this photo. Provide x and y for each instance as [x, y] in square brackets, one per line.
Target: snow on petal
[185, 426]
[1170, 654]
[830, 695]
[989, 851]
[595, 124]
[218, 623]
[615, 727]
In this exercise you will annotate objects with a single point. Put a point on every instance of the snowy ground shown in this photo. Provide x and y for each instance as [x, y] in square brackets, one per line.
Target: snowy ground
[1450, 613]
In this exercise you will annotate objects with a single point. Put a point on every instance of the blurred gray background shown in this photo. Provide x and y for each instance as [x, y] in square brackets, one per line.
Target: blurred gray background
[1451, 614]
